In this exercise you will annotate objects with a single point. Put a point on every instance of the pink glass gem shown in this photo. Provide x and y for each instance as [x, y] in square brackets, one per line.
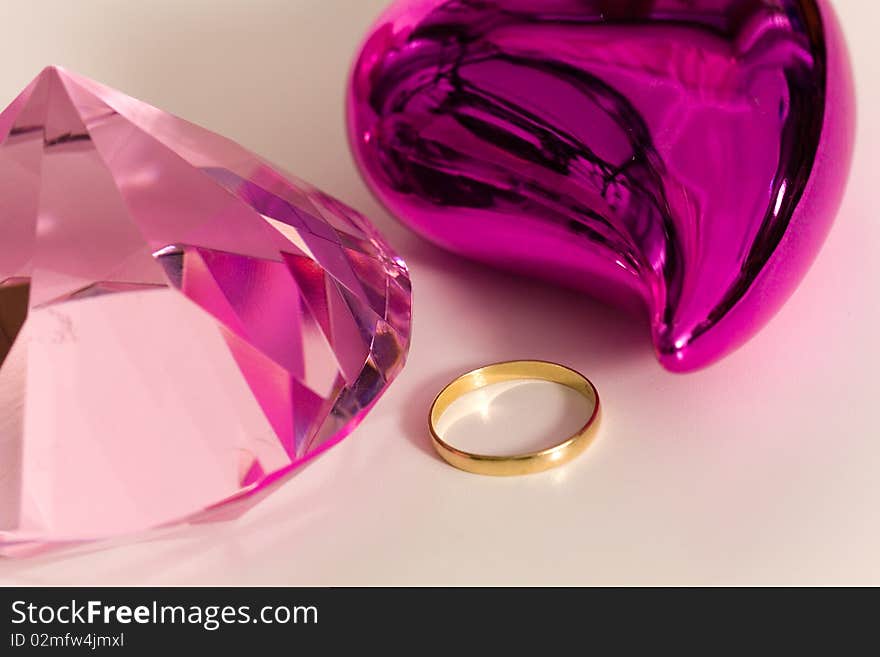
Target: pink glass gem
[180, 322]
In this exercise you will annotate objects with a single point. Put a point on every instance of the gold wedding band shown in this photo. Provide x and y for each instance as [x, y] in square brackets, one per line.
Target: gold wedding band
[518, 464]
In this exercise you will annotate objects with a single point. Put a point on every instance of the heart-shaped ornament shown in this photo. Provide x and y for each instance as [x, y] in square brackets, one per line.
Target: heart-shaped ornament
[685, 156]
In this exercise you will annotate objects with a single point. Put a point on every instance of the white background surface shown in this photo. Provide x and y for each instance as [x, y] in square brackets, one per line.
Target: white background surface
[764, 468]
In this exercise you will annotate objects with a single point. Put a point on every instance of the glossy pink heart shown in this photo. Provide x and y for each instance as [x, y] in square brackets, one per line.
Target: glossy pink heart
[687, 157]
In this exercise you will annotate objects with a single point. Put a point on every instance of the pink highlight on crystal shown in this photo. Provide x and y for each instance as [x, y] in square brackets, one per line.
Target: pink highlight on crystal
[181, 323]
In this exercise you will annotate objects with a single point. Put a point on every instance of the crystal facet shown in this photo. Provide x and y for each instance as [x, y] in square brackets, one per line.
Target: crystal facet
[686, 157]
[180, 322]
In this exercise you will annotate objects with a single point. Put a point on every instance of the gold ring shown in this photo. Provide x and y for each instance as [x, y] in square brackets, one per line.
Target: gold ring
[518, 464]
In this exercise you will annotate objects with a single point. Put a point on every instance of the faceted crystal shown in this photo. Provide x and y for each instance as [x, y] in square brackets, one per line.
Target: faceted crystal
[180, 322]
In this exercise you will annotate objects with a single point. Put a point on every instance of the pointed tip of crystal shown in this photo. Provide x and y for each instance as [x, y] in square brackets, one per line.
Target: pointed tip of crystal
[53, 70]
[62, 73]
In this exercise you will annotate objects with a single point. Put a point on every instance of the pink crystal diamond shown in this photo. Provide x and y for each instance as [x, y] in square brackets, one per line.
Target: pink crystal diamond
[180, 323]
